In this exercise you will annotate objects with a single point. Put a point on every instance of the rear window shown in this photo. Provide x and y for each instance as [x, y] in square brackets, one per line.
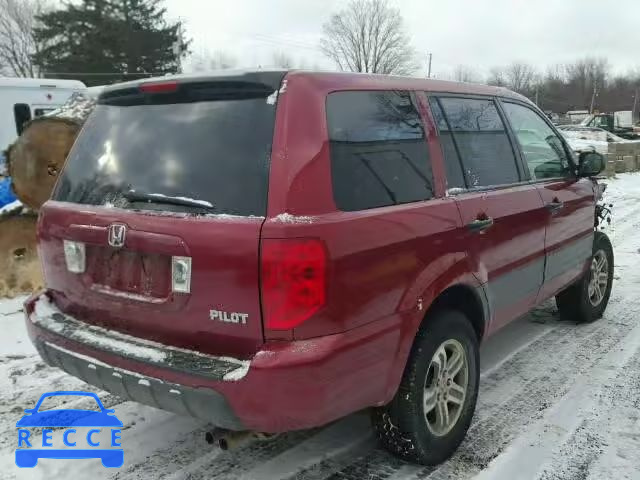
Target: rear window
[379, 155]
[215, 152]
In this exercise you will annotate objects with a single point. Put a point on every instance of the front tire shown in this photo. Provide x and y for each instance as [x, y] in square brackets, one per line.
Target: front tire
[586, 300]
[433, 407]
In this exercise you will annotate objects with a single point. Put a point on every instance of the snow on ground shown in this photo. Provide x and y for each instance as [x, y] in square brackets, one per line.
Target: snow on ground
[557, 401]
[11, 207]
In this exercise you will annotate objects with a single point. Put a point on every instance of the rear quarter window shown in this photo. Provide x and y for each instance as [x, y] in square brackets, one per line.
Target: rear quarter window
[379, 155]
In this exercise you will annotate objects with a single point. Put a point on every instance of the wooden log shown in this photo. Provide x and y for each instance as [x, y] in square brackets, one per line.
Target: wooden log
[20, 270]
[34, 162]
[36, 158]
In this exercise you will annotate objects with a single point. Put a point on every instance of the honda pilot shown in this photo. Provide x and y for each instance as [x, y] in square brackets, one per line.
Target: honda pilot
[271, 251]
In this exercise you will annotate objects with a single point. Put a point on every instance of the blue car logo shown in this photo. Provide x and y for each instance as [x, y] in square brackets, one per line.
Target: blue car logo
[27, 453]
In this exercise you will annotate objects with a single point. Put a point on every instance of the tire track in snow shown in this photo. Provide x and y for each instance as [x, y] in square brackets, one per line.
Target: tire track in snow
[342, 438]
[614, 414]
[231, 465]
[571, 425]
[192, 458]
[179, 444]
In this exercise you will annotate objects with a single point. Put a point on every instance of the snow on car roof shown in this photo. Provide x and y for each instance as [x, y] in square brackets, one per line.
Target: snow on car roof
[333, 80]
[40, 83]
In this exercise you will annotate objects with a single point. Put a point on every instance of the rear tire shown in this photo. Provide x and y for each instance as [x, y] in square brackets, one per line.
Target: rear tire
[586, 300]
[442, 372]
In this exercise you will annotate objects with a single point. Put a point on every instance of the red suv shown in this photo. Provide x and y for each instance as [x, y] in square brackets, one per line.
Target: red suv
[271, 251]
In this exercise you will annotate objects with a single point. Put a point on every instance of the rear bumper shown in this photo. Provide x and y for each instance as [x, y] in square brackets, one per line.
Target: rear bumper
[200, 403]
[286, 386]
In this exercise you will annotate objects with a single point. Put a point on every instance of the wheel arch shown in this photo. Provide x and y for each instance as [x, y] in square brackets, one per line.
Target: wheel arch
[467, 296]
[467, 299]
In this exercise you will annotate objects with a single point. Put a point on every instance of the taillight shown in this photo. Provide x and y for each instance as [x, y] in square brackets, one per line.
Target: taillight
[162, 87]
[293, 281]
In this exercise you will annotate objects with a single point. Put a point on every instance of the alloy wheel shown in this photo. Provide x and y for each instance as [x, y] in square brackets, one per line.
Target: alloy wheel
[445, 387]
[598, 278]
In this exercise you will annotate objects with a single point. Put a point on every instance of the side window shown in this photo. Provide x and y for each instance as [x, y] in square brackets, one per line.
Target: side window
[482, 141]
[602, 122]
[452, 165]
[379, 154]
[542, 148]
[21, 114]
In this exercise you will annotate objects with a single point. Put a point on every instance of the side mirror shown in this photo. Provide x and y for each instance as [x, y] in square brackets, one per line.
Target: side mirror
[591, 164]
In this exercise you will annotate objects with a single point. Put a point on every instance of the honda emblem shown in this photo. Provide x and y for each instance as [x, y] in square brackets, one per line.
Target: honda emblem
[117, 234]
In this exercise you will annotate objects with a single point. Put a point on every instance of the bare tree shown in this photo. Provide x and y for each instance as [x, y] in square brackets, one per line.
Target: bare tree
[206, 60]
[517, 76]
[464, 73]
[520, 77]
[556, 73]
[282, 60]
[572, 86]
[587, 78]
[17, 41]
[368, 36]
[497, 77]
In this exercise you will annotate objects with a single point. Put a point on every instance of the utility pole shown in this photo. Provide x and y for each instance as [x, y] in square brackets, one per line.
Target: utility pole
[635, 105]
[593, 97]
[537, 94]
[178, 47]
[429, 68]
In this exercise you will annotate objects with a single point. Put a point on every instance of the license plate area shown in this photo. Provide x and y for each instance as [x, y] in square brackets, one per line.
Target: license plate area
[129, 271]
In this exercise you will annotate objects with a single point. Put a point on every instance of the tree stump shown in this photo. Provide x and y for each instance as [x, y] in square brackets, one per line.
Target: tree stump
[20, 270]
[34, 162]
[36, 158]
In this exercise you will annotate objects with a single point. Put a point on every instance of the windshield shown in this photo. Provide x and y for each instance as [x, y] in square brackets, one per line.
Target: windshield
[213, 152]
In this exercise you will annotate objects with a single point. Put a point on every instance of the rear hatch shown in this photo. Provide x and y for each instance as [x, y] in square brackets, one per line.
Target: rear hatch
[154, 225]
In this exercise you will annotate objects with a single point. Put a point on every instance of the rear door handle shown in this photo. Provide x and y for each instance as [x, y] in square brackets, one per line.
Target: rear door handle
[480, 225]
[555, 206]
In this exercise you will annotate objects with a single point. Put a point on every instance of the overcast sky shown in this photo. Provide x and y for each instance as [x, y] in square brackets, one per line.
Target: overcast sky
[478, 33]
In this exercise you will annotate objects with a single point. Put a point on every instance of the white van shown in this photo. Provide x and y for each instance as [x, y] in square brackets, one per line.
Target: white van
[22, 99]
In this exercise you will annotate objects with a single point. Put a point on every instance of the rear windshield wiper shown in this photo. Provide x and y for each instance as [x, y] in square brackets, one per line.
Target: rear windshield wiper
[135, 196]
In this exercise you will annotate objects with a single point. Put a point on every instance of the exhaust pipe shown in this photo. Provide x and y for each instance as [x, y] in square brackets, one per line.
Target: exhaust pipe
[233, 440]
[212, 436]
[230, 440]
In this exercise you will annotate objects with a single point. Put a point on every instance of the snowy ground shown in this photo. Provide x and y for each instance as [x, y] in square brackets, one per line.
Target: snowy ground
[557, 401]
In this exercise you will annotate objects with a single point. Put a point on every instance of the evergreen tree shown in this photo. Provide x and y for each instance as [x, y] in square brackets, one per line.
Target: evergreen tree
[147, 40]
[113, 37]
